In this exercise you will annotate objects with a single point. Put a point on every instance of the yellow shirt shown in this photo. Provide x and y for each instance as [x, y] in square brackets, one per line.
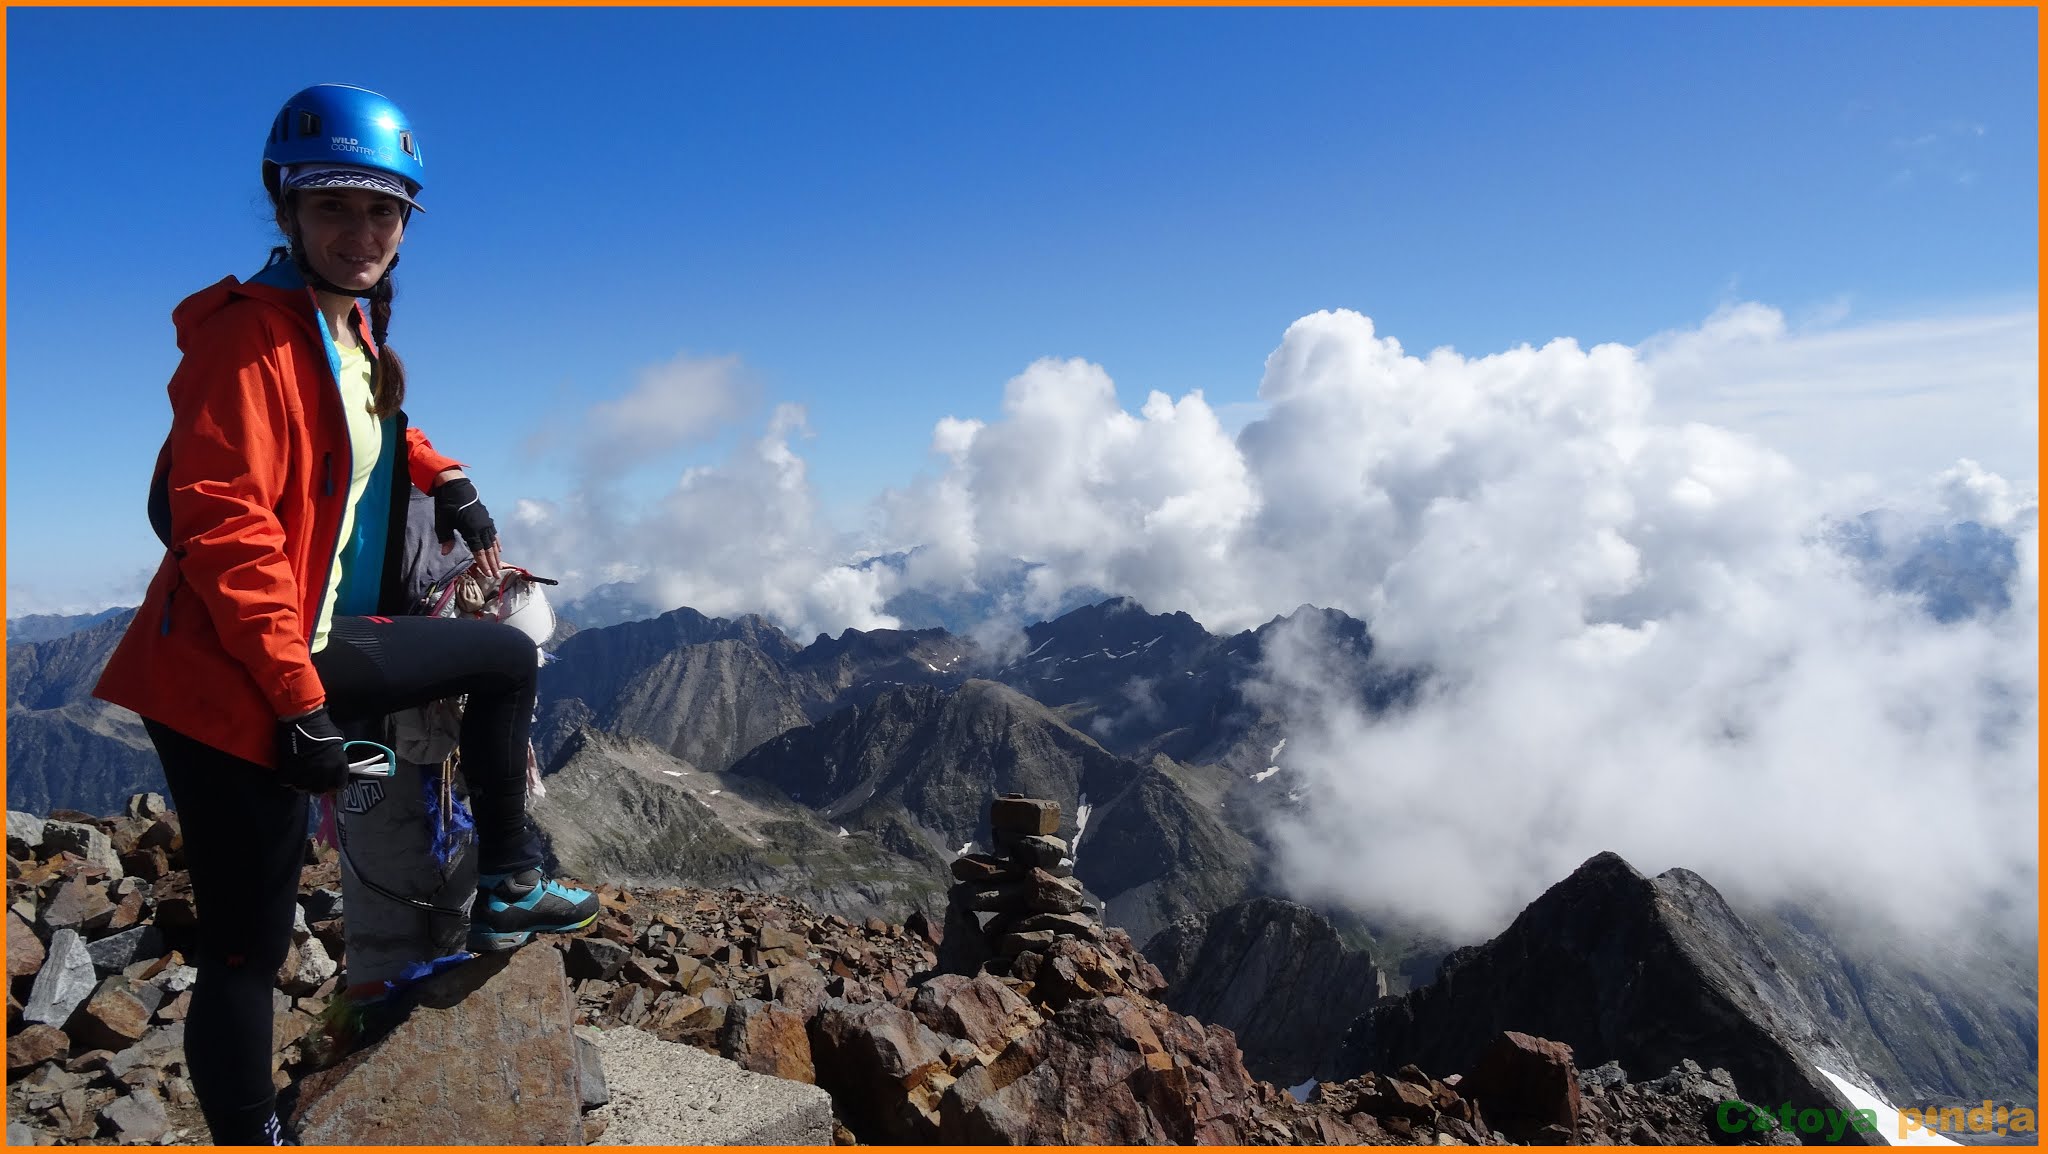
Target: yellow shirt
[365, 442]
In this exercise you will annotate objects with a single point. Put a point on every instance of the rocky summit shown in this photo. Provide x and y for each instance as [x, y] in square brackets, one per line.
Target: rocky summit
[1643, 972]
[1048, 1028]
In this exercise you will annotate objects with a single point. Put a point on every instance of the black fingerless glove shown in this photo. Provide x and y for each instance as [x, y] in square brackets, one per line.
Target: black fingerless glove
[309, 753]
[457, 509]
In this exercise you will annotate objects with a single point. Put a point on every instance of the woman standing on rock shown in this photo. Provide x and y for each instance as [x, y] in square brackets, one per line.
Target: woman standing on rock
[280, 494]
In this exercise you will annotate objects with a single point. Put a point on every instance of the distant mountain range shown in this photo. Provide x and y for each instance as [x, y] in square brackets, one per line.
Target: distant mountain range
[51, 626]
[66, 750]
[850, 771]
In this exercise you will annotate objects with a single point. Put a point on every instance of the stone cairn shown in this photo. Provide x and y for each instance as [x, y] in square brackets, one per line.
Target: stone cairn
[1009, 907]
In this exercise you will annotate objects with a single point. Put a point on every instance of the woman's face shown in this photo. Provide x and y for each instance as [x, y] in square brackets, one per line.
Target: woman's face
[350, 235]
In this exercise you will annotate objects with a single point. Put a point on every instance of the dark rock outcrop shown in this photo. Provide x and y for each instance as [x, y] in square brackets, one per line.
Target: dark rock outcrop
[1643, 972]
[1277, 974]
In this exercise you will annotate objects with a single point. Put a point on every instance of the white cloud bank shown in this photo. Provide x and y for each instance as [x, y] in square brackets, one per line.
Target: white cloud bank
[1641, 639]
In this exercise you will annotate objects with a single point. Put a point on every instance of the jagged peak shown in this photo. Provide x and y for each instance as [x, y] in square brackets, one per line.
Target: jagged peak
[1608, 863]
[982, 695]
[587, 738]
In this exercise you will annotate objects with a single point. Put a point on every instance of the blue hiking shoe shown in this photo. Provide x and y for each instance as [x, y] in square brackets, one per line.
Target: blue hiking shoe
[511, 908]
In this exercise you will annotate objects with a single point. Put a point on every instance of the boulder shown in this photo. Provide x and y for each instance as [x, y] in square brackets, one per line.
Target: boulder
[598, 958]
[164, 833]
[883, 1067]
[322, 903]
[126, 834]
[1064, 925]
[921, 925]
[77, 904]
[1052, 895]
[119, 951]
[1109, 1071]
[87, 841]
[1041, 850]
[160, 1048]
[440, 1076]
[646, 973]
[114, 1018]
[981, 867]
[175, 908]
[63, 984]
[722, 1105]
[136, 1119]
[988, 895]
[129, 908]
[1024, 816]
[692, 976]
[148, 864]
[1525, 1084]
[798, 986]
[982, 1011]
[34, 1046]
[767, 1038]
[308, 968]
[24, 834]
[24, 949]
[590, 1069]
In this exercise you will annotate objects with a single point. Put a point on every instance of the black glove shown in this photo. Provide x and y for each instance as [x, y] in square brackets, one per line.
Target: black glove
[309, 753]
[457, 509]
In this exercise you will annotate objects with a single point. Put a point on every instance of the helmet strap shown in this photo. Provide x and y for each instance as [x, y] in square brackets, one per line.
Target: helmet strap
[381, 289]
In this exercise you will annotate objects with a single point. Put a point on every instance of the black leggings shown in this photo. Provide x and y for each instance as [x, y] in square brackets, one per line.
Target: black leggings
[245, 835]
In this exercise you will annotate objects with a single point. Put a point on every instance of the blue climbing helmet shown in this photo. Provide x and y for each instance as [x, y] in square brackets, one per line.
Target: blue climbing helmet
[347, 127]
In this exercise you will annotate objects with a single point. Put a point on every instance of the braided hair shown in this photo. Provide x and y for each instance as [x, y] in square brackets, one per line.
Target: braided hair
[387, 384]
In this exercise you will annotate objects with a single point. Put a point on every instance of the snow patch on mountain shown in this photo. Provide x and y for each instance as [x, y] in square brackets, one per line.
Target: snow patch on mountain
[1888, 1127]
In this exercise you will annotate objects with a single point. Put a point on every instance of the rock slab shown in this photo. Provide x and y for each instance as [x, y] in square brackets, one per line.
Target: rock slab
[669, 1094]
[487, 1055]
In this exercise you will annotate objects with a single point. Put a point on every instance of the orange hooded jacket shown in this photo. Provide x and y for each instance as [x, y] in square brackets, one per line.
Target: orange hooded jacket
[256, 470]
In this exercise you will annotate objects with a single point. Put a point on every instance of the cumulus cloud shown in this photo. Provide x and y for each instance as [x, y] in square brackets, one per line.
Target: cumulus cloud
[741, 536]
[1640, 634]
[1624, 568]
[1091, 494]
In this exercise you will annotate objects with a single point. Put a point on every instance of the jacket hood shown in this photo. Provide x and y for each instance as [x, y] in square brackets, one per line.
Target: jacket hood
[277, 285]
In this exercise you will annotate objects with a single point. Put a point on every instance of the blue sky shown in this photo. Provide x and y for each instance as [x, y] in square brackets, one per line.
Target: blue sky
[884, 216]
